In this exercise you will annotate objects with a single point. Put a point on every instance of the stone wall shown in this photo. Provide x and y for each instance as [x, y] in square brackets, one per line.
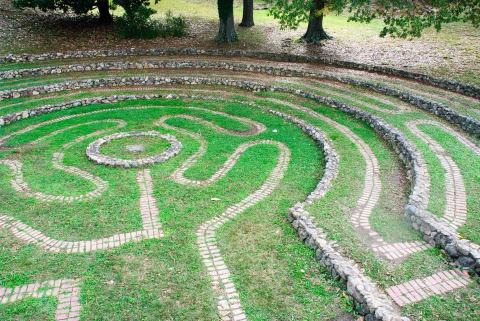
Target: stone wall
[469, 124]
[434, 231]
[455, 86]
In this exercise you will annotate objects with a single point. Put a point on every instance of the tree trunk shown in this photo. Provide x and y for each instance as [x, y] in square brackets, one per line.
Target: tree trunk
[247, 19]
[226, 30]
[315, 32]
[104, 12]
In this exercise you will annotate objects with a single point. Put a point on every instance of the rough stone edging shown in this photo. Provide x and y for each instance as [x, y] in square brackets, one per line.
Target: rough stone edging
[467, 123]
[94, 153]
[371, 301]
[452, 85]
[436, 232]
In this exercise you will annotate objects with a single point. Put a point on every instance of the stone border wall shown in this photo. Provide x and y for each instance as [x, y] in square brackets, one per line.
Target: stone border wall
[94, 152]
[465, 253]
[369, 299]
[452, 85]
[469, 124]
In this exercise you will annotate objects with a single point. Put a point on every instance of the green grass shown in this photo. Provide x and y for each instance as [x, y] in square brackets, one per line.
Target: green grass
[466, 160]
[165, 279]
[119, 148]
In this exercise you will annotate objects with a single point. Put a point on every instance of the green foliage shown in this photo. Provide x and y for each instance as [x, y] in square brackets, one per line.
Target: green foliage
[406, 19]
[132, 7]
[138, 24]
[402, 18]
[78, 7]
[174, 26]
[137, 21]
[291, 13]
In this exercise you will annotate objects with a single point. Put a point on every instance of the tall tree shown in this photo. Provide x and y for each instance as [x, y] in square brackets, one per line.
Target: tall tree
[226, 29]
[315, 32]
[401, 18]
[291, 13]
[247, 18]
[104, 12]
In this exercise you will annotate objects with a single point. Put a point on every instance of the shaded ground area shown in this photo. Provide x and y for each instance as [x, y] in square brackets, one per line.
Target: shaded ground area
[454, 53]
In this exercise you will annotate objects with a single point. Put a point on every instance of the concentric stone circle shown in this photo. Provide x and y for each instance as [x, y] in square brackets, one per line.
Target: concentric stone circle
[94, 150]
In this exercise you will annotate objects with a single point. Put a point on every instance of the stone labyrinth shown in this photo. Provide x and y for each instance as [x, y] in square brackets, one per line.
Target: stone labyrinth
[166, 184]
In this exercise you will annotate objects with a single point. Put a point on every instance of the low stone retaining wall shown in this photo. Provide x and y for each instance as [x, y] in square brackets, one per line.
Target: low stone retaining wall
[94, 152]
[370, 300]
[455, 86]
[465, 253]
[467, 123]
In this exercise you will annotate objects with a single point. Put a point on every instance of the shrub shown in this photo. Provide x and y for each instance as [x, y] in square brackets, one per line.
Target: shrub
[138, 24]
[173, 26]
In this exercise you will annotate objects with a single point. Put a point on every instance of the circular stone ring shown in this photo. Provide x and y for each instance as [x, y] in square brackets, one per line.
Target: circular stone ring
[95, 155]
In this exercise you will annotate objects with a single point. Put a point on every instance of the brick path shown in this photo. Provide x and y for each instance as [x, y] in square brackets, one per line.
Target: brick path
[436, 284]
[66, 291]
[178, 175]
[414, 290]
[456, 201]
[370, 194]
[21, 186]
[228, 300]
[148, 209]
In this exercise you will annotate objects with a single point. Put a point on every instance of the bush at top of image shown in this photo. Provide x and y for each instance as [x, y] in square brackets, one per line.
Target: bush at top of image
[174, 26]
[139, 24]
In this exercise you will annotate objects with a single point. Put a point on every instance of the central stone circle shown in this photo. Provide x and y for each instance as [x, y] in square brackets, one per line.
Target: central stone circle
[95, 154]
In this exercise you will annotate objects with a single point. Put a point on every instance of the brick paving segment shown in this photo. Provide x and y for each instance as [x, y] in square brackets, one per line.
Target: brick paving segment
[148, 204]
[179, 174]
[148, 209]
[66, 291]
[370, 194]
[228, 300]
[436, 284]
[21, 186]
[456, 201]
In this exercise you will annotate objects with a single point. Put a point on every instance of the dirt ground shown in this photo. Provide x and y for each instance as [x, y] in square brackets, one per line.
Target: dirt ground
[454, 53]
